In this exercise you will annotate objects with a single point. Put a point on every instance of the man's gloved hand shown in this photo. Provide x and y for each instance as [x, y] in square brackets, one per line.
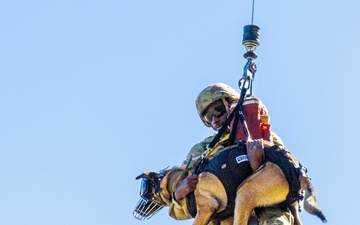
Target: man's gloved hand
[186, 186]
[255, 151]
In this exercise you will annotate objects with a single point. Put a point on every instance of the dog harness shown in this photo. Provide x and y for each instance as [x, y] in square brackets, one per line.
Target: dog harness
[228, 164]
[277, 155]
[233, 162]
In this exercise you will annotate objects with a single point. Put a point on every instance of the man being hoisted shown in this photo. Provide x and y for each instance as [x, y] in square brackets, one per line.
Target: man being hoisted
[214, 104]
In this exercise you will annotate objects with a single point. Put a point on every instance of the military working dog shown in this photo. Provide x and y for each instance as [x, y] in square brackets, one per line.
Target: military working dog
[267, 186]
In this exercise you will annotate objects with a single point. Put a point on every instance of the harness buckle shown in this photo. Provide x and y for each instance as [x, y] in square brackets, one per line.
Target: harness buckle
[205, 153]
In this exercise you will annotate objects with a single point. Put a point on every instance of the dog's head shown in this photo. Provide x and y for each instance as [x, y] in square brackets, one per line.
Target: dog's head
[150, 201]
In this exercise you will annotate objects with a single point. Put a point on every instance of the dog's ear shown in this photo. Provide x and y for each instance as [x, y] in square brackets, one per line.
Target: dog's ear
[143, 175]
[153, 175]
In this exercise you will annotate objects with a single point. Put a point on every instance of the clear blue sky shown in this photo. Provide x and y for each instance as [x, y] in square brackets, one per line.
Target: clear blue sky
[93, 93]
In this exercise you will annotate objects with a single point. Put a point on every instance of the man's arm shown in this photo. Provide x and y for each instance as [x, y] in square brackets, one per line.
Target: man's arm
[188, 185]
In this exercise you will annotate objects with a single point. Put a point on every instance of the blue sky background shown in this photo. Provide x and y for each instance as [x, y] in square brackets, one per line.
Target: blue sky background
[93, 93]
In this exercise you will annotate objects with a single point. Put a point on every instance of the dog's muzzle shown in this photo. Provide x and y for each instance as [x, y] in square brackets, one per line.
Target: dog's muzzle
[145, 209]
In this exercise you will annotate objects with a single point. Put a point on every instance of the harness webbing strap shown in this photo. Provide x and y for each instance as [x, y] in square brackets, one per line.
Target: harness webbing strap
[212, 151]
[241, 114]
[234, 125]
[237, 112]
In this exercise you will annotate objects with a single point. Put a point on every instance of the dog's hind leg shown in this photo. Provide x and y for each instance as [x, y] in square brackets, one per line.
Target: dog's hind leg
[268, 186]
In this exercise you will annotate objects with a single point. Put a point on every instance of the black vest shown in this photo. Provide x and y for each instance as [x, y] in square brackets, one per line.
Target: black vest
[233, 163]
[227, 165]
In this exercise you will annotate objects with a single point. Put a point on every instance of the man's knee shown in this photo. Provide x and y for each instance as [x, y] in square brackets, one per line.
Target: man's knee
[275, 216]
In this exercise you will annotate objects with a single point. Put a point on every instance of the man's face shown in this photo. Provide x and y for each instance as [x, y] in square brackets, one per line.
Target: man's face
[216, 114]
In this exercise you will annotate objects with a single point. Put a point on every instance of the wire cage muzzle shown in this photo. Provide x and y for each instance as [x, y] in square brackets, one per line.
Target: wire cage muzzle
[146, 208]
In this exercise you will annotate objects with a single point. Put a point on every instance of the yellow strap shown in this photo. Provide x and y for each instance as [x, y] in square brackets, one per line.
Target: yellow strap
[212, 151]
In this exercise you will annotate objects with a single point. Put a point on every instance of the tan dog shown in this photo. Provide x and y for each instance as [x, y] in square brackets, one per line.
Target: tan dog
[267, 186]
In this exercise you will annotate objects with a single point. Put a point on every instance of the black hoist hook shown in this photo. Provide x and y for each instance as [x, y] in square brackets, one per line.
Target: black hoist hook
[251, 42]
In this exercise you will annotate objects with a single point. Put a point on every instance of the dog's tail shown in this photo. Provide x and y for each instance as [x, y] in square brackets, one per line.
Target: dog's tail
[310, 198]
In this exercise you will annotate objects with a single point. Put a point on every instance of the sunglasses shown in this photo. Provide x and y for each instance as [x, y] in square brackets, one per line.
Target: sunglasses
[218, 111]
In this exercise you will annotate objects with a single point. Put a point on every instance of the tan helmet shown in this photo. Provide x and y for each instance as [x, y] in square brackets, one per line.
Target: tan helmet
[212, 93]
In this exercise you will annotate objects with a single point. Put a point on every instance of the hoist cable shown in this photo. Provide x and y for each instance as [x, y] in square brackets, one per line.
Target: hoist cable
[252, 13]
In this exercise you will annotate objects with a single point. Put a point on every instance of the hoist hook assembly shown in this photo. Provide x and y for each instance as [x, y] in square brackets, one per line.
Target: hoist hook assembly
[251, 42]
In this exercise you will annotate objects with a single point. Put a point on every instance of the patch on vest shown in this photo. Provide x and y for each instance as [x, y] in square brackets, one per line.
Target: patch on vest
[242, 158]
